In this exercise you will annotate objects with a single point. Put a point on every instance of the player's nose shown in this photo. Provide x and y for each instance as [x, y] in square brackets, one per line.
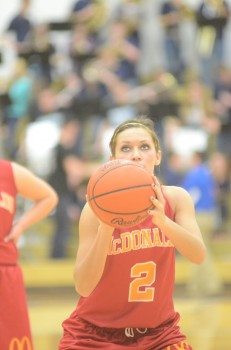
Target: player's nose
[136, 154]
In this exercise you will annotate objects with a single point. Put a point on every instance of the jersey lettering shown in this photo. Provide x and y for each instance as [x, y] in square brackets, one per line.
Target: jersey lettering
[7, 202]
[20, 344]
[140, 289]
[138, 239]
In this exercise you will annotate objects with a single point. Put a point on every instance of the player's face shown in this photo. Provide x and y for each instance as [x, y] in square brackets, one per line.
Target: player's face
[136, 144]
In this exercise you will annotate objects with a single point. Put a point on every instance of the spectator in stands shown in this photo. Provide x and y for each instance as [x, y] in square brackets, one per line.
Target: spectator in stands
[212, 19]
[125, 51]
[222, 106]
[67, 157]
[42, 53]
[221, 168]
[196, 110]
[21, 26]
[83, 46]
[170, 18]
[200, 183]
[130, 12]
[16, 114]
[91, 13]
[173, 171]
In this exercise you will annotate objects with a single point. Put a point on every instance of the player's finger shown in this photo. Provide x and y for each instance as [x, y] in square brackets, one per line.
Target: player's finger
[8, 238]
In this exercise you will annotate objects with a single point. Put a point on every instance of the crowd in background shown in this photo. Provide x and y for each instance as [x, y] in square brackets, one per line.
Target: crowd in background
[72, 82]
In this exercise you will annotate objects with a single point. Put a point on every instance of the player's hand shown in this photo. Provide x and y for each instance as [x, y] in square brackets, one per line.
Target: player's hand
[14, 234]
[105, 226]
[158, 201]
[102, 226]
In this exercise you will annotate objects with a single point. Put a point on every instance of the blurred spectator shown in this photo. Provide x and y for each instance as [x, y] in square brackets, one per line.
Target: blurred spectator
[172, 171]
[212, 19]
[222, 104]
[200, 183]
[69, 89]
[21, 27]
[16, 113]
[196, 110]
[4, 102]
[172, 123]
[131, 13]
[121, 53]
[42, 132]
[67, 159]
[164, 103]
[42, 53]
[221, 170]
[45, 105]
[83, 47]
[90, 13]
[171, 17]
[89, 108]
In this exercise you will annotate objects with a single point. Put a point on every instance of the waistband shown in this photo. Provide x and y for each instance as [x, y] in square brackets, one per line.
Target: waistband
[130, 332]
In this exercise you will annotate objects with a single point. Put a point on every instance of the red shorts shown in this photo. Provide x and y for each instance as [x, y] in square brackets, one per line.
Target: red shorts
[82, 335]
[15, 330]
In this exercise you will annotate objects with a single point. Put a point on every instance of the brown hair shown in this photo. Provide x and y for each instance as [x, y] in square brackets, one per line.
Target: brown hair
[139, 122]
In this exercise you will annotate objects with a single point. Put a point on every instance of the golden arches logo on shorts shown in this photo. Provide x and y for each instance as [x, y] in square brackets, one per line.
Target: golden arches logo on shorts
[20, 344]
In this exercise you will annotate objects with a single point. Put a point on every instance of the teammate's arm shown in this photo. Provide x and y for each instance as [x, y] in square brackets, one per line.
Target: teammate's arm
[37, 190]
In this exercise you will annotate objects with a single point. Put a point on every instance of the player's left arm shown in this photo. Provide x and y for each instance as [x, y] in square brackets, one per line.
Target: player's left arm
[184, 232]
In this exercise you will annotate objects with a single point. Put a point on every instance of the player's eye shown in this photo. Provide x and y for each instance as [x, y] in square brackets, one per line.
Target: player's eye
[145, 146]
[125, 149]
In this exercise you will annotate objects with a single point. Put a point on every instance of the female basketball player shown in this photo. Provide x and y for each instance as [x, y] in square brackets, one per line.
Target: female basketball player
[17, 180]
[126, 294]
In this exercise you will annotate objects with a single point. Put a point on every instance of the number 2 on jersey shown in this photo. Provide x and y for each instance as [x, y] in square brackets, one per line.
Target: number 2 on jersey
[141, 287]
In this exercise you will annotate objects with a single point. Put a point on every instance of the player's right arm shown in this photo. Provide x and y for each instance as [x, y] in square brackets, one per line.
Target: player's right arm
[94, 242]
[43, 197]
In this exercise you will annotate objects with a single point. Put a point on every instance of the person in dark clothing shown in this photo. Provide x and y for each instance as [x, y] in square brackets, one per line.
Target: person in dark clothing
[67, 157]
[171, 17]
[212, 20]
[21, 26]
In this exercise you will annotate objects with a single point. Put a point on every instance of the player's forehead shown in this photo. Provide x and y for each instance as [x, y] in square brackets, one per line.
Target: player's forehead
[133, 134]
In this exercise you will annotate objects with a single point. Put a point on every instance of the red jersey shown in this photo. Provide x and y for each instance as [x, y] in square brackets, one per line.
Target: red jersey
[136, 287]
[8, 192]
[15, 330]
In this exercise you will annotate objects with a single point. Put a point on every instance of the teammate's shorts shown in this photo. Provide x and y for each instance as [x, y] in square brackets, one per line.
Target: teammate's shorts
[82, 335]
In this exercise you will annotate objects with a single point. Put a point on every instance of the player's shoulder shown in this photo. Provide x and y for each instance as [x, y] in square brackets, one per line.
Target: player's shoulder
[176, 193]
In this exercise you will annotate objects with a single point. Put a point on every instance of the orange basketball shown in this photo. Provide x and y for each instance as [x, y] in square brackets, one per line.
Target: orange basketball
[119, 193]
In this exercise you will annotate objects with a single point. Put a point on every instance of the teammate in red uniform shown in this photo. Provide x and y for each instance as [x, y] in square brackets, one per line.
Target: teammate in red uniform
[125, 277]
[16, 180]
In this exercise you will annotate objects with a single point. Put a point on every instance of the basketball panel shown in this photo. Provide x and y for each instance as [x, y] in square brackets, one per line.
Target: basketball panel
[125, 202]
[119, 177]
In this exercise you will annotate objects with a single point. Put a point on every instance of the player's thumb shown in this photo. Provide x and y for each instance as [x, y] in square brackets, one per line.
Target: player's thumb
[8, 238]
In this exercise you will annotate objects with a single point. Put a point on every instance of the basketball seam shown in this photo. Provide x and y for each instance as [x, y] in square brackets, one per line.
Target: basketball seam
[124, 213]
[118, 190]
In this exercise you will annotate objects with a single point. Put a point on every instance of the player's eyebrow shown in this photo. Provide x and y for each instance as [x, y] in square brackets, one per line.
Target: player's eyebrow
[131, 141]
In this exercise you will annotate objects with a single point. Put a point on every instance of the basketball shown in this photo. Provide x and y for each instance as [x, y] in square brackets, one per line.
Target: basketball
[119, 193]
